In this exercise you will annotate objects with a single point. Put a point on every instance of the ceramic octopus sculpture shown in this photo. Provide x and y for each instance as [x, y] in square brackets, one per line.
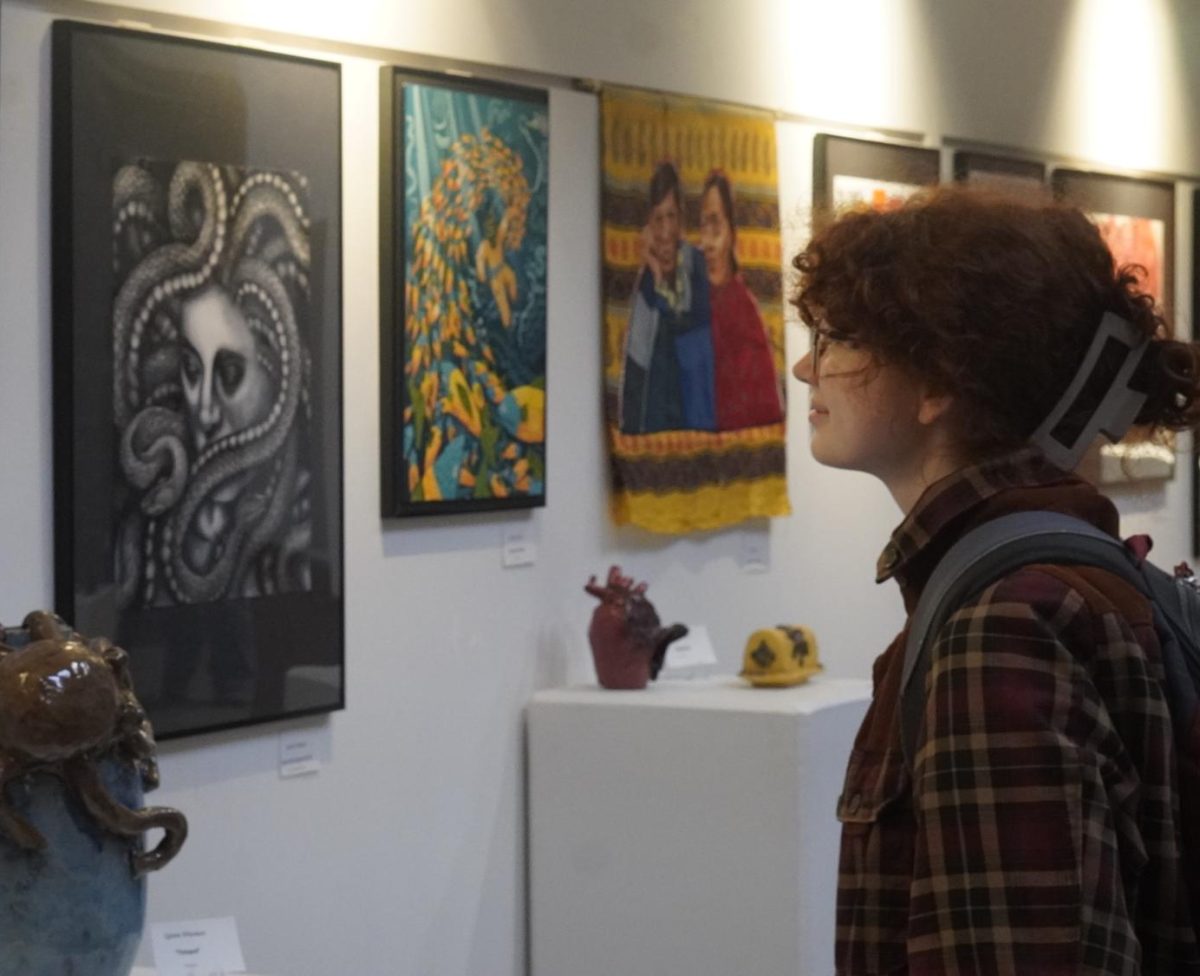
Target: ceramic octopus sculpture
[66, 704]
[210, 382]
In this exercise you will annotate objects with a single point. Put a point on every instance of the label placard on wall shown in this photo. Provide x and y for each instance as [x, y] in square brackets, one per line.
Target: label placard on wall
[297, 753]
[518, 547]
[756, 552]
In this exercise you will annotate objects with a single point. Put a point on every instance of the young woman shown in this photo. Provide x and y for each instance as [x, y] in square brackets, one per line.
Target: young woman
[1038, 828]
[747, 388]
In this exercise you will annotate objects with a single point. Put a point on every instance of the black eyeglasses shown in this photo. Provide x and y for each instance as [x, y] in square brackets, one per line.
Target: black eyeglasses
[825, 338]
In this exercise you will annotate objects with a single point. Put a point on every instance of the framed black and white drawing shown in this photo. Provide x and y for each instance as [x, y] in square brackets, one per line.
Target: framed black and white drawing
[1008, 173]
[197, 370]
[849, 173]
[463, 245]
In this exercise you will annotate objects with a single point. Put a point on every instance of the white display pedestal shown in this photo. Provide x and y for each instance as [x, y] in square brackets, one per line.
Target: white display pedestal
[148, 971]
[687, 829]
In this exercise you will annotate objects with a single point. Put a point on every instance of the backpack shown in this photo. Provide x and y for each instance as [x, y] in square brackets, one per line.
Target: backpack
[991, 551]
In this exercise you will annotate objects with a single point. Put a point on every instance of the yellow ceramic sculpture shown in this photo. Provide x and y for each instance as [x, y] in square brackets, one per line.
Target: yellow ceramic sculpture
[780, 656]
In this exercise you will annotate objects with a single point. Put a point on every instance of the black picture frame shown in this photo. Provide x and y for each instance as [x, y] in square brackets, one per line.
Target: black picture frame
[433, 228]
[1002, 172]
[196, 243]
[895, 163]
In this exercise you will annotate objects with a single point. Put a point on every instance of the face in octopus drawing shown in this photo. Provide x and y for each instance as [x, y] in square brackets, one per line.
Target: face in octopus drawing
[225, 386]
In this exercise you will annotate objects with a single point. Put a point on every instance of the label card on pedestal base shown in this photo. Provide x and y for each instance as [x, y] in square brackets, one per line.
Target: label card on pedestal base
[202, 947]
[690, 656]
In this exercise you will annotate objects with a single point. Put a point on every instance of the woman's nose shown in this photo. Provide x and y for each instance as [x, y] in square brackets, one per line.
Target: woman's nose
[803, 370]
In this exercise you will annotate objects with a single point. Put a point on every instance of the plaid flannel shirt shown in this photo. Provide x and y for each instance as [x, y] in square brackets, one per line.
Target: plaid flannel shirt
[1038, 830]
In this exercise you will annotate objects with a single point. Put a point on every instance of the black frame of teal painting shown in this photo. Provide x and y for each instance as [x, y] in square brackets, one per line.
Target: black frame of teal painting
[197, 364]
[463, 273]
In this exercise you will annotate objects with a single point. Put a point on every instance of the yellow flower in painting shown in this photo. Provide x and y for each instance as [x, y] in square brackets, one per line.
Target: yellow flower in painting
[414, 476]
[495, 388]
[429, 483]
[461, 403]
[466, 477]
[532, 426]
[520, 472]
[429, 391]
[499, 488]
[459, 349]
[510, 452]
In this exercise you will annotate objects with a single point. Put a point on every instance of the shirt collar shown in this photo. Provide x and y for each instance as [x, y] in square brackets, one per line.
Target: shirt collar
[954, 495]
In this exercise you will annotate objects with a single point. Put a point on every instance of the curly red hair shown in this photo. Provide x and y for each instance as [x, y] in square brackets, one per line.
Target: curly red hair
[993, 300]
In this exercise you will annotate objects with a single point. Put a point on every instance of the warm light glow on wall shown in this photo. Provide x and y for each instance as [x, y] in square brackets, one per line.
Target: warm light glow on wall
[851, 60]
[345, 19]
[1122, 80]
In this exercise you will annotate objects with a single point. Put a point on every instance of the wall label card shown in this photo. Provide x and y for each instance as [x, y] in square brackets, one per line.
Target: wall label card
[518, 548]
[297, 753]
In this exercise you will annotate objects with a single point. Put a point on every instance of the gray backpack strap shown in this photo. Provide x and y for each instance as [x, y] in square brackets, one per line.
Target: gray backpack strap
[980, 558]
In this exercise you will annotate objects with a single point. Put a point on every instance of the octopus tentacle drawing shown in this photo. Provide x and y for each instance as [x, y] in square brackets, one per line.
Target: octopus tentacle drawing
[68, 706]
[168, 270]
[212, 374]
[472, 428]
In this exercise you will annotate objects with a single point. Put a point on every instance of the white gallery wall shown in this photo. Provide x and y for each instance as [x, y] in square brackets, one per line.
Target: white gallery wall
[405, 854]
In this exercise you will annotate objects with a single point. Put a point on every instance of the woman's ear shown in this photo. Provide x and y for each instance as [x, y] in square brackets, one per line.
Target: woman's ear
[933, 407]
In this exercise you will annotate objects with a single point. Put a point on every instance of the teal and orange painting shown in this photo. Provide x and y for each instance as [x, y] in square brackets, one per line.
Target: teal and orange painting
[476, 166]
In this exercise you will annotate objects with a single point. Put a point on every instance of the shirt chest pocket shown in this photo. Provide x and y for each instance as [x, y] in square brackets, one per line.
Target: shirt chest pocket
[877, 782]
[876, 864]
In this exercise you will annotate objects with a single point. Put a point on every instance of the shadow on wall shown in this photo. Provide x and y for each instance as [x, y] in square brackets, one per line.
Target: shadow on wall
[975, 91]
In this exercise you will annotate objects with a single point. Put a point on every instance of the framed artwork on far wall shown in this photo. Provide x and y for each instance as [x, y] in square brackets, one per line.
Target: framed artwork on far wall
[1195, 336]
[464, 199]
[1000, 172]
[1136, 218]
[850, 173]
[196, 237]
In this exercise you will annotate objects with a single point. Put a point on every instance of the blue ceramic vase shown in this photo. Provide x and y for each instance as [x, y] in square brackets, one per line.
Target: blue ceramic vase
[75, 908]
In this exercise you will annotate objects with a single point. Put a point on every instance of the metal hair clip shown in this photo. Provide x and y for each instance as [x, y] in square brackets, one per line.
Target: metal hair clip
[1112, 360]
